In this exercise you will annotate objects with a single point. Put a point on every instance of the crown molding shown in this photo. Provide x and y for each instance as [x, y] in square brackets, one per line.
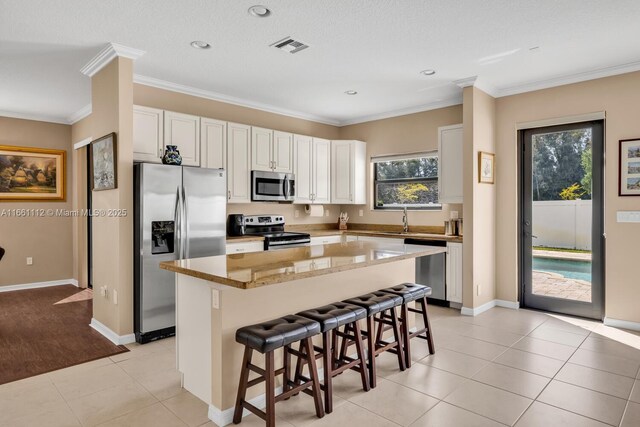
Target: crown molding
[215, 96]
[569, 79]
[466, 82]
[79, 115]
[107, 54]
[36, 117]
[405, 111]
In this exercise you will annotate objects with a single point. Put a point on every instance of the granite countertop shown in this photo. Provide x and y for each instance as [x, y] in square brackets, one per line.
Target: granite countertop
[252, 270]
[373, 233]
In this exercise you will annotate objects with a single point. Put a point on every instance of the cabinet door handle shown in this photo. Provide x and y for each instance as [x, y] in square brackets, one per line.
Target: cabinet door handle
[229, 196]
[240, 250]
[160, 152]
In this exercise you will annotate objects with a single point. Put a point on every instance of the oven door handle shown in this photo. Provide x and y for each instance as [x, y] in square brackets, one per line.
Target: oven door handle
[289, 242]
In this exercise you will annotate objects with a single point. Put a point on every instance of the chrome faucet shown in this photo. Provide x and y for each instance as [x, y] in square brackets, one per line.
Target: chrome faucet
[405, 221]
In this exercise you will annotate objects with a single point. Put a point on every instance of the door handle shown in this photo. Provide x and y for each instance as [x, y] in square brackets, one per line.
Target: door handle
[186, 223]
[177, 227]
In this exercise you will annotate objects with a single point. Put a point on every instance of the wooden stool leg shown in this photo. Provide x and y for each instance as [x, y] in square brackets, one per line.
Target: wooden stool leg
[427, 325]
[395, 324]
[404, 323]
[327, 364]
[270, 385]
[313, 373]
[299, 366]
[242, 387]
[287, 369]
[371, 345]
[360, 350]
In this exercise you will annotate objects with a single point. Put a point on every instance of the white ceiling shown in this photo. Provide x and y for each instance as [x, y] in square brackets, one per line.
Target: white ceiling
[376, 47]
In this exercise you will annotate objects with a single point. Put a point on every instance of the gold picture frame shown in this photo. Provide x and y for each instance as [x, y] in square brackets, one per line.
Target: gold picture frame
[486, 168]
[30, 174]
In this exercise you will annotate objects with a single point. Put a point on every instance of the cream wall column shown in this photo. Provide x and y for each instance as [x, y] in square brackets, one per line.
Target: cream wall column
[111, 75]
[479, 210]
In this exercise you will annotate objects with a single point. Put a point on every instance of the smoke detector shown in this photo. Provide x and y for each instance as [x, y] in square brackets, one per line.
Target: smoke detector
[290, 45]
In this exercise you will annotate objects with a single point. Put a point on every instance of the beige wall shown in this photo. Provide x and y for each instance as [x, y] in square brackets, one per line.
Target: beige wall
[47, 239]
[618, 97]
[480, 200]
[405, 134]
[112, 111]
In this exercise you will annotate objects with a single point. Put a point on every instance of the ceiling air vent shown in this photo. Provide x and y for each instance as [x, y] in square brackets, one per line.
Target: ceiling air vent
[290, 45]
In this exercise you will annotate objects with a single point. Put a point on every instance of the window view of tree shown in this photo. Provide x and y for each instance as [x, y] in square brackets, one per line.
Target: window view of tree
[410, 182]
[562, 165]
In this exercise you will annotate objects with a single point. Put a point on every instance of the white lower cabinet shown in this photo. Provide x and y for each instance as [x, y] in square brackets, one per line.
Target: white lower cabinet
[454, 272]
[244, 247]
[326, 240]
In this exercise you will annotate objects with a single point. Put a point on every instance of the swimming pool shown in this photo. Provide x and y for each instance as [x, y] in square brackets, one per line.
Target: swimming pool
[568, 268]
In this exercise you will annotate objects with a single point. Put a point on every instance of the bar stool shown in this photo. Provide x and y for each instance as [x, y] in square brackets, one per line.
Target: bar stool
[331, 318]
[383, 305]
[413, 292]
[266, 338]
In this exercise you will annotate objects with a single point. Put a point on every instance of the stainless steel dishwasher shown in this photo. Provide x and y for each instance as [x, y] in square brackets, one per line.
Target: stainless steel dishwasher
[430, 270]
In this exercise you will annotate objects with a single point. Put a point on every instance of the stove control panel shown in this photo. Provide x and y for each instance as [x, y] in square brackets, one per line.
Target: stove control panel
[263, 220]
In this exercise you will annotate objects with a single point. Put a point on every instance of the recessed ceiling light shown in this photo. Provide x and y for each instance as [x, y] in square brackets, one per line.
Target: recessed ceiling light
[351, 92]
[428, 72]
[259, 11]
[199, 44]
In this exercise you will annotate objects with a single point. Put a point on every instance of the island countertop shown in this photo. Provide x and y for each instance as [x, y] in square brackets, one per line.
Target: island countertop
[256, 269]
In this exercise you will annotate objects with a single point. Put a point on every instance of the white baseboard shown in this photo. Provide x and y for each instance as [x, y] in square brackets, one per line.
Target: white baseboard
[623, 324]
[224, 418]
[466, 311]
[110, 335]
[35, 285]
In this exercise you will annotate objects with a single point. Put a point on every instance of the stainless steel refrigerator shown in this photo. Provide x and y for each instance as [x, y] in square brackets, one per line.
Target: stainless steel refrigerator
[179, 212]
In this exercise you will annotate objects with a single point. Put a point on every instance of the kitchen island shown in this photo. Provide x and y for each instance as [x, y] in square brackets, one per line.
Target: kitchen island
[217, 295]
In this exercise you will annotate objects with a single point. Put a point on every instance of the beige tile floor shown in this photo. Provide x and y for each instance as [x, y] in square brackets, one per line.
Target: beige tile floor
[503, 367]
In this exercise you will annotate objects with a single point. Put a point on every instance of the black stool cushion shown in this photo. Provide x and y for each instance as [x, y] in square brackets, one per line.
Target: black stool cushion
[334, 315]
[375, 302]
[409, 291]
[277, 333]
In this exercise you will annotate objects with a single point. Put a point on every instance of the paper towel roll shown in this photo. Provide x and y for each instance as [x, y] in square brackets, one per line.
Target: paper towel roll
[314, 210]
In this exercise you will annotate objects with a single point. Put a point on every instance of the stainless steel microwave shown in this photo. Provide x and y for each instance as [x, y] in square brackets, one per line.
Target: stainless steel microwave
[272, 186]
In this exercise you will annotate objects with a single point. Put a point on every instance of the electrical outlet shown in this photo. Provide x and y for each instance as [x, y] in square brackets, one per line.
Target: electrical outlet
[296, 213]
[103, 291]
[361, 212]
[478, 293]
[115, 296]
[327, 212]
[215, 298]
[29, 260]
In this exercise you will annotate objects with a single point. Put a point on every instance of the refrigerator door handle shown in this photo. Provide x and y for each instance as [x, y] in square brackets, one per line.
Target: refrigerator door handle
[186, 223]
[178, 224]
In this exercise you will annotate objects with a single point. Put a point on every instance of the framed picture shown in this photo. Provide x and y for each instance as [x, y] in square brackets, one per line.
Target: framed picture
[104, 163]
[486, 167]
[629, 168]
[32, 174]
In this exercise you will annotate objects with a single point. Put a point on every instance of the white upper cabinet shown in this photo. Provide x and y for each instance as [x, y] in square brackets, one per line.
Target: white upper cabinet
[238, 163]
[321, 170]
[348, 172]
[312, 169]
[183, 130]
[271, 150]
[148, 128]
[450, 144]
[261, 142]
[282, 152]
[213, 140]
[303, 168]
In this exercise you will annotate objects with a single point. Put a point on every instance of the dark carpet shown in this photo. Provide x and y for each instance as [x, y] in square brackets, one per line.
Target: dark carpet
[46, 329]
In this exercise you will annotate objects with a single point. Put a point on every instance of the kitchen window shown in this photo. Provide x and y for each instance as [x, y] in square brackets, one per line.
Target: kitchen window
[406, 181]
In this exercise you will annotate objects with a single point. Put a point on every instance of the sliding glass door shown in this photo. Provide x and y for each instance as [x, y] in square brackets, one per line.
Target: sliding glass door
[562, 219]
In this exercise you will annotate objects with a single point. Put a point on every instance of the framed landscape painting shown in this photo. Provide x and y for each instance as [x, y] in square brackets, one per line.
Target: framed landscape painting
[103, 163]
[32, 174]
[629, 168]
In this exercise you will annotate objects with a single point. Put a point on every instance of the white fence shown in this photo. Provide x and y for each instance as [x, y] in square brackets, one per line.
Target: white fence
[562, 224]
